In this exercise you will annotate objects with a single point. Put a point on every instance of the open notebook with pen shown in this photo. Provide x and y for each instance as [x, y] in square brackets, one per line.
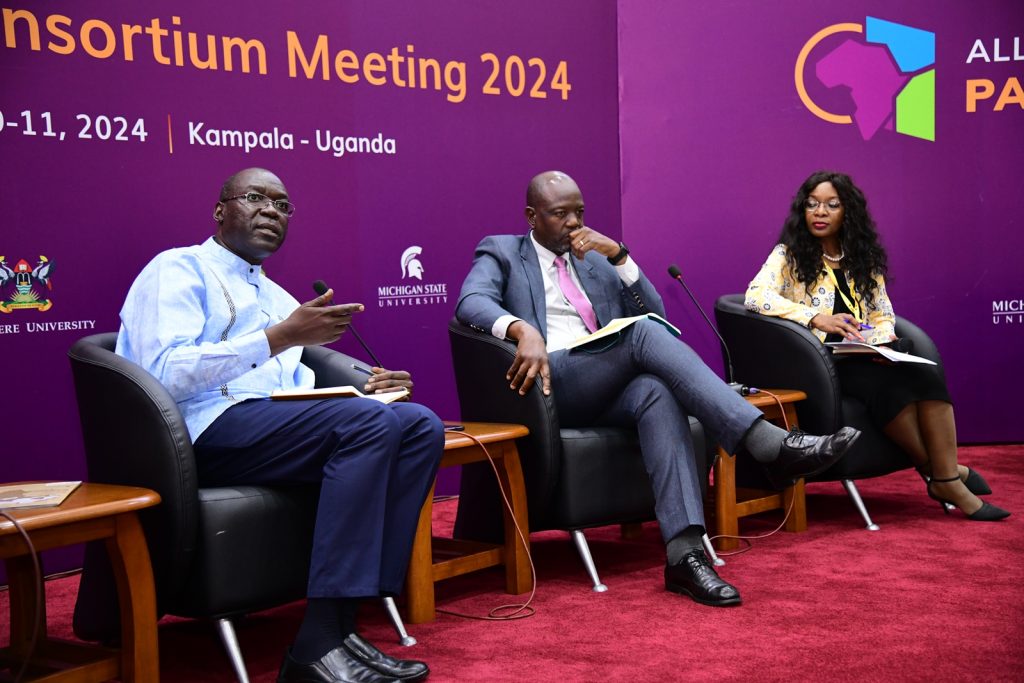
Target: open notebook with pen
[346, 391]
[844, 348]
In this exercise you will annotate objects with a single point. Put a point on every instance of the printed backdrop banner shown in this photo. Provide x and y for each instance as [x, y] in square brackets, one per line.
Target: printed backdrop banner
[728, 106]
[403, 131]
[406, 131]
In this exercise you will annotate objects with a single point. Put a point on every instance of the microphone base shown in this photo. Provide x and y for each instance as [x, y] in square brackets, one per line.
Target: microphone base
[742, 389]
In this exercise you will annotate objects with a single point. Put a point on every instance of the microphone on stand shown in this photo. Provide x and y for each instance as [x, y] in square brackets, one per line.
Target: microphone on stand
[320, 287]
[741, 389]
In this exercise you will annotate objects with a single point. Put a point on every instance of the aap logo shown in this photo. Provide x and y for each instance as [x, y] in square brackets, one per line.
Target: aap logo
[890, 71]
[411, 266]
[17, 285]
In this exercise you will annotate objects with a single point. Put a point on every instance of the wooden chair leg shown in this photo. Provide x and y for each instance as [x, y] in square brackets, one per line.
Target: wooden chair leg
[631, 531]
[419, 582]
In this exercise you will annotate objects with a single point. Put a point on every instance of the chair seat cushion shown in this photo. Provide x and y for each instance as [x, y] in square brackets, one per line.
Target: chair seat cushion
[604, 479]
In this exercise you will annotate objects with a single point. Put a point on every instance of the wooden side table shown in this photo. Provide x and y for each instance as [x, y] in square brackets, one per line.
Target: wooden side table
[732, 503]
[434, 559]
[93, 512]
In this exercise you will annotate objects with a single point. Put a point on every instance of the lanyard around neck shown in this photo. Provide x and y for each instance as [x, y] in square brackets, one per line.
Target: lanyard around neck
[854, 305]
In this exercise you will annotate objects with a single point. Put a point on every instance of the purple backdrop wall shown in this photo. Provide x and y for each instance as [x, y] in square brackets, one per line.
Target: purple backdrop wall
[713, 136]
[98, 209]
[715, 141]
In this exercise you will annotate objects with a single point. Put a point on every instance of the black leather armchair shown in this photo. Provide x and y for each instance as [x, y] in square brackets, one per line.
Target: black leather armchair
[771, 352]
[575, 478]
[217, 552]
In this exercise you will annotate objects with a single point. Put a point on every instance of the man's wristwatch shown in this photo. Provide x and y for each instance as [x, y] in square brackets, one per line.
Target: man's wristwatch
[623, 253]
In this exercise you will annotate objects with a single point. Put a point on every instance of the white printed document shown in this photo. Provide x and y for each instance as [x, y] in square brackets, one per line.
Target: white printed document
[845, 348]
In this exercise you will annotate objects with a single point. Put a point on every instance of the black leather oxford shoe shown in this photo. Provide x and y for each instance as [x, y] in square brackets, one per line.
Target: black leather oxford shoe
[803, 455]
[337, 666]
[402, 669]
[694, 576]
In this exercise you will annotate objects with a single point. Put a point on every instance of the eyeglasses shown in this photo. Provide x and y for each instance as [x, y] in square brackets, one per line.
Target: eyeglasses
[831, 205]
[261, 200]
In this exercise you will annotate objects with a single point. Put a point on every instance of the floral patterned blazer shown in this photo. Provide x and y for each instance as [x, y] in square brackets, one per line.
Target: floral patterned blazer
[775, 290]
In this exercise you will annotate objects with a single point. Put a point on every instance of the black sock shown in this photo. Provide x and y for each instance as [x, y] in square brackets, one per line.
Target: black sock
[347, 608]
[326, 623]
[683, 542]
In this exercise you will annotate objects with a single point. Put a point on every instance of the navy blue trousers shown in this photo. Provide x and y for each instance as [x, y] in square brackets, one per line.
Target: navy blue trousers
[651, 380]
[375, 464]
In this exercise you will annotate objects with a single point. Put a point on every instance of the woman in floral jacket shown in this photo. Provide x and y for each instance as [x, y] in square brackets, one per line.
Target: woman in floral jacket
[828, 272]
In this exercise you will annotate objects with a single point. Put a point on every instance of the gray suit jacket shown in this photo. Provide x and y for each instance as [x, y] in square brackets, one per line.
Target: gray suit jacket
[506, 280]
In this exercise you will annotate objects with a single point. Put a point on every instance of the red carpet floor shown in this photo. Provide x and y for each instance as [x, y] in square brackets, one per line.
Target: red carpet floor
[929, 597]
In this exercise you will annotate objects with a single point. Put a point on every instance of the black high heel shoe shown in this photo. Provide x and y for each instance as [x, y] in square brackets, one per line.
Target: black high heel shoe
[986, 513]
[975, 483]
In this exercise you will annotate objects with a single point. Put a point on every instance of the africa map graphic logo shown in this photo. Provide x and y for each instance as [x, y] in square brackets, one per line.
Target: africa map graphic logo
[890, 74]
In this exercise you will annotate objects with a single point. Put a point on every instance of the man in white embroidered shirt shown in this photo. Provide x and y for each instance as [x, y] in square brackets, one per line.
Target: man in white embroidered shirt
[221, 336]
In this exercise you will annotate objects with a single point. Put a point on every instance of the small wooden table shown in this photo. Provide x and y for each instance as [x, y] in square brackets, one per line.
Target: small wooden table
[434, 559]
[732, 503]
[92, 512]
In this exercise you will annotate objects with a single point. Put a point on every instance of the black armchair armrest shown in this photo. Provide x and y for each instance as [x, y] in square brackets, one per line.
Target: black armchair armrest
[923, 344]
[132, 427]
[772, 352]
[333, 368]
[481, 362]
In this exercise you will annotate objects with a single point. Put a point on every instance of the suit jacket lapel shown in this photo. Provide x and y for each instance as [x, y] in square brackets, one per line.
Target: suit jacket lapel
[531, 265]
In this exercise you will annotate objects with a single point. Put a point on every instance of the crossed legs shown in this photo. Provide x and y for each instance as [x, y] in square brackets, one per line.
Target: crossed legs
[926, 430]
[653, 381]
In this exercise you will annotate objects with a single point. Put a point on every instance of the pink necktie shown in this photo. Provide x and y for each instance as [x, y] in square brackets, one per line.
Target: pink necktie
[575, 296]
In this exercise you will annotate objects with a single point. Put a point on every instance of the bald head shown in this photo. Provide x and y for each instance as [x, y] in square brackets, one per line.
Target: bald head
[230, 186]
[542, 185]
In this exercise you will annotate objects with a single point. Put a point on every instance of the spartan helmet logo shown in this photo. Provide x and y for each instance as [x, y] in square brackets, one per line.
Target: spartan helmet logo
[411, 266]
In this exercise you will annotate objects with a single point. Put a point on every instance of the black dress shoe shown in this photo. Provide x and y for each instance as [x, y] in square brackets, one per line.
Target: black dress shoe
[337, 666]
[402, 669]
[695, 577]
[803, 455]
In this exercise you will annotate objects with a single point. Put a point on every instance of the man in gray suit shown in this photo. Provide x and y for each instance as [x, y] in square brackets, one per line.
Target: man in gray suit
[563, 280]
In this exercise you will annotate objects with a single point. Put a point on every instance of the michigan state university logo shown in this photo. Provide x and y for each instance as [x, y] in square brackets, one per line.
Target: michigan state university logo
[889, 69]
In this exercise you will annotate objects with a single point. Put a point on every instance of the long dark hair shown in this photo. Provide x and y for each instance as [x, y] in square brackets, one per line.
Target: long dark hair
[858, 237]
